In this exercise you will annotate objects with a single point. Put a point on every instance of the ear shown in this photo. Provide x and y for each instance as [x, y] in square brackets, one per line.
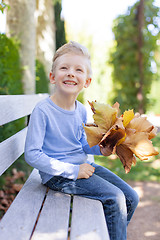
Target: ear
[88, 82]
[51, 77]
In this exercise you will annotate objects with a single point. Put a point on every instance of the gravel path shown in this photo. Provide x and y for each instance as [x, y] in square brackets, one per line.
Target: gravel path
[145, 224]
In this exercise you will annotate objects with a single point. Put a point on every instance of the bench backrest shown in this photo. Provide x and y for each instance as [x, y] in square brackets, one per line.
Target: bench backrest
[13, 107]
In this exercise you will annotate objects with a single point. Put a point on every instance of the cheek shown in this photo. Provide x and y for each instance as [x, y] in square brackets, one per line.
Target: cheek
[59, 76]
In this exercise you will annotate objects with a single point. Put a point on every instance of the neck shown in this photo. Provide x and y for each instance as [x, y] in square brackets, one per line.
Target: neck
[67, 103]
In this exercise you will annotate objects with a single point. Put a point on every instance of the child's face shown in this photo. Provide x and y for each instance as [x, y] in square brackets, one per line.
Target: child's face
[70, 74]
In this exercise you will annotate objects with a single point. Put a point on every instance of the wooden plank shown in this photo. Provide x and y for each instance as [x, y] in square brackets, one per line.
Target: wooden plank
[19, 220]
[11, 149]
[54, 219]
[88, 221]
[13, 107]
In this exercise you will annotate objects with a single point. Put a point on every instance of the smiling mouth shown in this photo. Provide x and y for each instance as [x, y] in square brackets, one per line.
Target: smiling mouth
[70, 83]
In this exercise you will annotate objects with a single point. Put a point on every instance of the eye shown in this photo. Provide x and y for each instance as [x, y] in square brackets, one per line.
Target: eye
[63, 68]
[79, 70]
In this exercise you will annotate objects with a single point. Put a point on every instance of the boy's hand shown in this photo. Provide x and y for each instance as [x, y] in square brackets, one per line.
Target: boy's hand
[106, 151]
[85, 171]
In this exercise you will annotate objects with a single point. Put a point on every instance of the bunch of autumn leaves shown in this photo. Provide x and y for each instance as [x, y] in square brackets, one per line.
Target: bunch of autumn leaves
[128, 135]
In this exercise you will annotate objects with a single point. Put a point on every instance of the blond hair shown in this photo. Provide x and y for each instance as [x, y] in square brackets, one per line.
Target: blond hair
[76, 48]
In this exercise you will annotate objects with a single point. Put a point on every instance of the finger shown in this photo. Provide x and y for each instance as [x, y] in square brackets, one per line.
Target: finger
[90, 170]
[90, 173]
[87, 175]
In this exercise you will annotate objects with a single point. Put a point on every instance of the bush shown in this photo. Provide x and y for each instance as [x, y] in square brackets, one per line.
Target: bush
[10, 82]
[41, 78]
[10, 75]
[10, 68]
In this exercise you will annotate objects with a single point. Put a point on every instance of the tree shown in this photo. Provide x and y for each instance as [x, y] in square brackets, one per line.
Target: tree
[21, 24]
[140, 17]
[45, 34]
[32, 23]
[60, 29]
[136, 34]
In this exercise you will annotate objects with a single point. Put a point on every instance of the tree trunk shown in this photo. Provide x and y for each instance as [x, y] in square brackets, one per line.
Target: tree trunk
[140, 15]
[21, 24]
[45, 34]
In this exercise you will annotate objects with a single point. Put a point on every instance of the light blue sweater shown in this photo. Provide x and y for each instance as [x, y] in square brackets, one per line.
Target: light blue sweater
[56, 143]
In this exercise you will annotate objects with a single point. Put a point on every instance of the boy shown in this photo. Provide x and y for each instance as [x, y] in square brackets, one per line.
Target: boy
[56, 144]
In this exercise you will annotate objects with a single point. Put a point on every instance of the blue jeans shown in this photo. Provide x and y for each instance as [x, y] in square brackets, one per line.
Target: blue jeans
[118, 198]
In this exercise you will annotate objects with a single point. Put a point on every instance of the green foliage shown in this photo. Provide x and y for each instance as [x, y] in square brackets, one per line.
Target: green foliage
[41, 78]
[143, 171]
[10, 80]
[60, 30]
[10, 75]
[81, 97]
[124, 56]
[10, 68]
[3, 5]
[9, 129]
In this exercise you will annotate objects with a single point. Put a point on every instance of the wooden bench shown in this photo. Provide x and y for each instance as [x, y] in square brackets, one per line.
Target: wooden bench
[38, 212]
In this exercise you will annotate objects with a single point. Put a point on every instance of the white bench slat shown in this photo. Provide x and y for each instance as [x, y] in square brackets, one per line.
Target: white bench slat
[11, 149]
[13, 107]
[54, 219]
[91, 221]
[19, 220]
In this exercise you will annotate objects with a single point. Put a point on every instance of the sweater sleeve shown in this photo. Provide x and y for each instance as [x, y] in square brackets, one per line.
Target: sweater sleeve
[34, 154]
[95, 150]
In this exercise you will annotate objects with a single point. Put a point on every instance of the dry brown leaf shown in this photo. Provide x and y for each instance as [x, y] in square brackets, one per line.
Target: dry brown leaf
[152, 133]
[127, 135]
[140, 124]
[94, 135]
[2, 194]
[104, 115]
[140, 145]
[4, 202]
[17, 186]
[113, 136]
[126, 156]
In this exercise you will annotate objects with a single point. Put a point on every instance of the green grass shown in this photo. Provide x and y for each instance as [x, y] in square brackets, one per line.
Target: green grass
[143, 171]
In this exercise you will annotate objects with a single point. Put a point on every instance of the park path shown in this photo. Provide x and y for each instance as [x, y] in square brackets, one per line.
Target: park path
[145, 224]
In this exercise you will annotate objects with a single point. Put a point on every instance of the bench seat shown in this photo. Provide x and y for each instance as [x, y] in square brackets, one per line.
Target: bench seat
[37, 211]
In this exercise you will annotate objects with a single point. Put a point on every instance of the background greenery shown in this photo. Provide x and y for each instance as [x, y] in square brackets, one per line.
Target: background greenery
[60, 28]
[10, 68]
[127, 76]
[10, 76]
[41, 78]
[122, 86]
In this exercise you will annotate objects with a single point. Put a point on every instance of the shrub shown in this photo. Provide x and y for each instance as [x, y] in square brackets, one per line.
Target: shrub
[41, 78]
[10, 68]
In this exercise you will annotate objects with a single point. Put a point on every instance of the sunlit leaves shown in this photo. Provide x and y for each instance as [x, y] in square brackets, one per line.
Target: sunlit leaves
[128, 135]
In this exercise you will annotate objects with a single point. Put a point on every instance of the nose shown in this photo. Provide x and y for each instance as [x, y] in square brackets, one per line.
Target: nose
[70, 73]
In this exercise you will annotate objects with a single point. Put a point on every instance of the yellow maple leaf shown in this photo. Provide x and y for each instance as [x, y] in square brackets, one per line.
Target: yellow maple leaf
[127, 117]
